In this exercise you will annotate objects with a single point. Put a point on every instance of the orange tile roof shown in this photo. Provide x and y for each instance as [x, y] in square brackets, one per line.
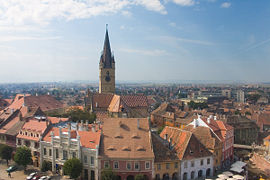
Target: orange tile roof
[138, 140]
[89, 139]
[184, 142]
[55, 120]
[35, 125]
[13, 126]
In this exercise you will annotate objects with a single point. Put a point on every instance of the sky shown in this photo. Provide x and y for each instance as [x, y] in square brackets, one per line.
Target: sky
[152, 40]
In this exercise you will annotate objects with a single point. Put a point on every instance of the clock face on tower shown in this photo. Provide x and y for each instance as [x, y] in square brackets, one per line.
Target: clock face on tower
[107, 77]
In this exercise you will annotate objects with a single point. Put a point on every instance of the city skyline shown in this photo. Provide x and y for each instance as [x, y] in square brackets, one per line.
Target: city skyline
[159, 41]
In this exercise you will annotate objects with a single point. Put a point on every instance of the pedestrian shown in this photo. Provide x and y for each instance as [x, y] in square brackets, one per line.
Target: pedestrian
[9, 175]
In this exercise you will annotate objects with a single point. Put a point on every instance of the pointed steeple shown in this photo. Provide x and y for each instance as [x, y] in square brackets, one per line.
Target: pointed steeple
[106, 58]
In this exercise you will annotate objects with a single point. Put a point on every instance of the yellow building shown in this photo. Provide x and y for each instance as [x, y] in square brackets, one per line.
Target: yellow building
[266, 143]
[166, 164]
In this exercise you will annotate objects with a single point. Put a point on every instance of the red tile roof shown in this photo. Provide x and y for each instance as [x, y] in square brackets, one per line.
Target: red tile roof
[55, 120]
[137, 140]
[186, 145]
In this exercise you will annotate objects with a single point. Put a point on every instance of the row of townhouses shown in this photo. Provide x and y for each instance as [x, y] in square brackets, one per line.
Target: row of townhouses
[124, 144]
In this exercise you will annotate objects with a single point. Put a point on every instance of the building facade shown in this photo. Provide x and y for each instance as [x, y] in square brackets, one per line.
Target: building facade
[61, 144]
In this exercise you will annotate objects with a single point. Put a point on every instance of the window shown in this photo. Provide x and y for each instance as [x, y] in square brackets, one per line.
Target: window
[159, 167]
[85, 159]
[136, 166]
[208, 160]
[45, 151]
[31, 134]
[201, 162]
[19, 142]
[36, 145]
[192, 175]
[92, 160]
[56, 153]
[106, 164]
[167, 165]
[116, 165]
[26, 133]
[192, 163]
[65, 155]
[74, 154]
[185, 164]
[147, 165]
[176, 165]
[128, 165]
[50, 152]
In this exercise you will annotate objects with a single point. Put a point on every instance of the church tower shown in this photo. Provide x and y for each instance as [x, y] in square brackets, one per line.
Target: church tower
[106, 68]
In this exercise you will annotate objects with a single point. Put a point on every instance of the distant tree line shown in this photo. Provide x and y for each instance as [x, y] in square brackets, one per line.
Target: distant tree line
[199, 105]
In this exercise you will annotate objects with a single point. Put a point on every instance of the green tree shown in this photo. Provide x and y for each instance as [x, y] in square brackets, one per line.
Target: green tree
[46, 166]
[6, 152]
[23, 156]
[73, 168]
[160, 129]
[140, 177]
[107, 174]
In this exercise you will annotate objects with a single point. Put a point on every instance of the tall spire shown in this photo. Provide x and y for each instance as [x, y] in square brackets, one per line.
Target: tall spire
[106, 57]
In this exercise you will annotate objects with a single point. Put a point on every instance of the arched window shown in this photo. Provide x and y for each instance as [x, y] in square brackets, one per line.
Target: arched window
[166, 176]
[192, 175]
[208, 172]
[175, 176]
[185, 176]
[200, 173]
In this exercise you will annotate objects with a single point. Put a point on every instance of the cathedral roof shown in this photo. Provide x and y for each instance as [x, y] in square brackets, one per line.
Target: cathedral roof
[106, 57]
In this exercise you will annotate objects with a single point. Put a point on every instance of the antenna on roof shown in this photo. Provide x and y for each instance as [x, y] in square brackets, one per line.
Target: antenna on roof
[106, 27]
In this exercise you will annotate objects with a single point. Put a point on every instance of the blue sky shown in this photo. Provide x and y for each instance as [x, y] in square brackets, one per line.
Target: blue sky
[152, 40]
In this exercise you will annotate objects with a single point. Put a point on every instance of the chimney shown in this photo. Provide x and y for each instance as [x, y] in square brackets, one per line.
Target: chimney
[11, 111]
[60, 132]
[96, 104]
[69, 126]
[52, 135]
[81, 126]
[138, 123]
[208, 120]
[166, 137]
[86, 125]
[215, 118]
[93, 128]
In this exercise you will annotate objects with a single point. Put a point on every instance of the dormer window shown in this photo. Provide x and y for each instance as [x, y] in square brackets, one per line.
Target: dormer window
[140, 148]
[111, 148]
[135, 136]
[126, 148]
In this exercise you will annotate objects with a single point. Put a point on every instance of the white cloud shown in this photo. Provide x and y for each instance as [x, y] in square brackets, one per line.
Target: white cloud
[193, 41]
[226, 5]
[23, 38]
[184, 2]
[21, 12]
[172, 24]
[126, 13]
[155, 52]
